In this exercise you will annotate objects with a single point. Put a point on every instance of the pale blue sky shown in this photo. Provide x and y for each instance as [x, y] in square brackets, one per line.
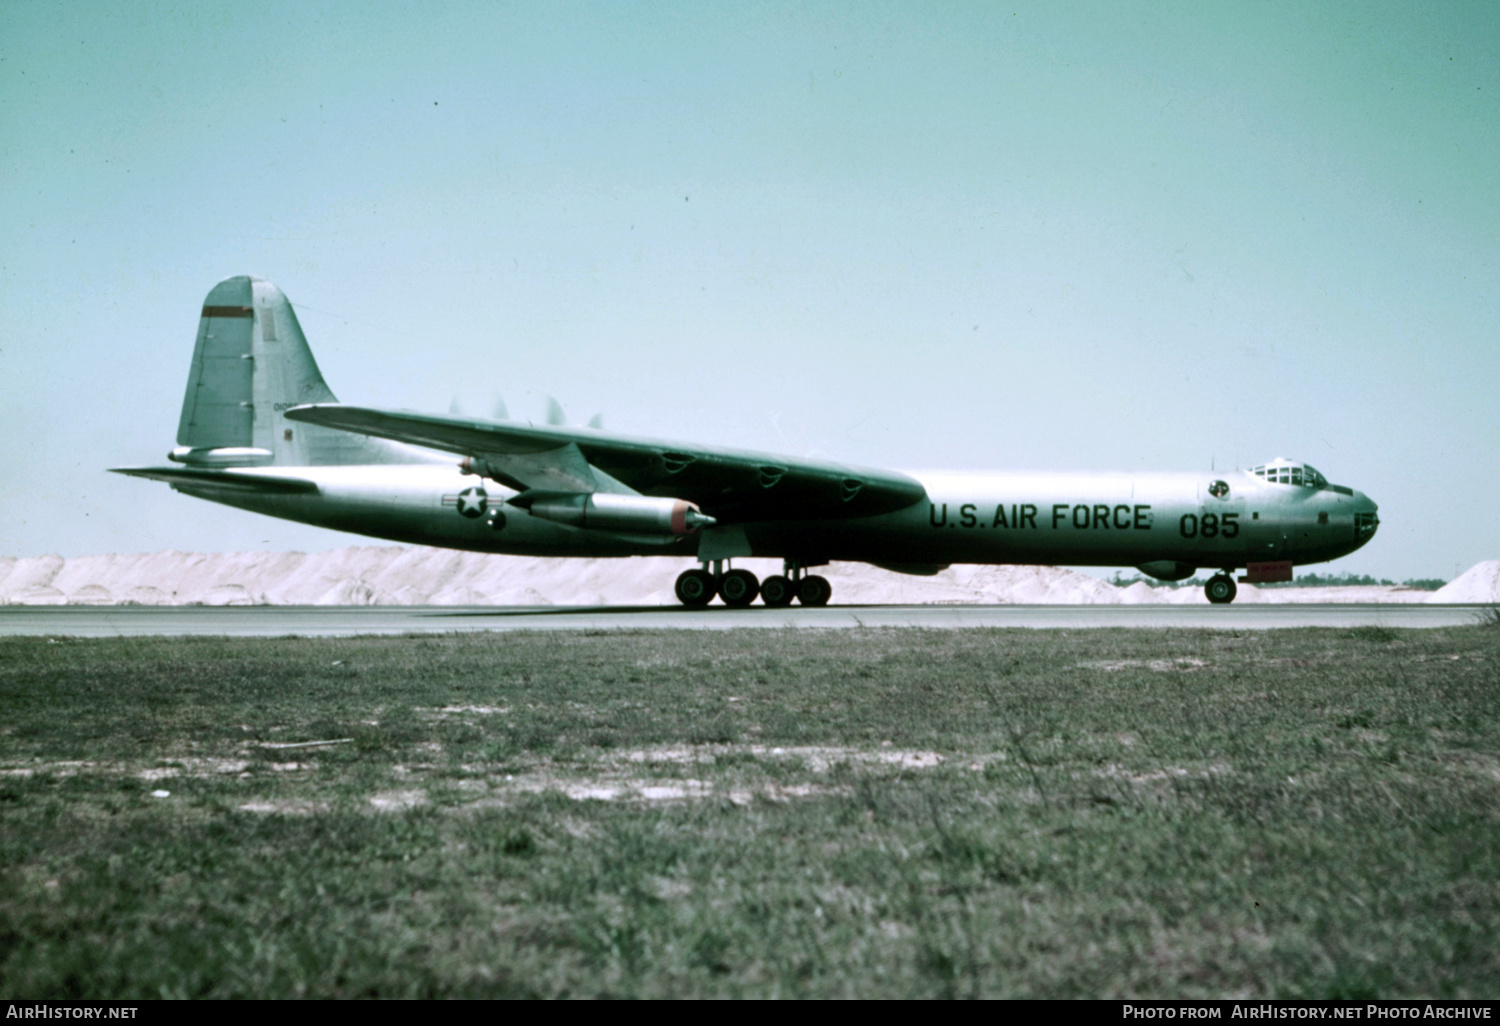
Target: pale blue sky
[911, 235]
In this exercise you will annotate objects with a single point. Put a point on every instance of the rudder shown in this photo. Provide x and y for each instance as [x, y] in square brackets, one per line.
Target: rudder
[217, 411]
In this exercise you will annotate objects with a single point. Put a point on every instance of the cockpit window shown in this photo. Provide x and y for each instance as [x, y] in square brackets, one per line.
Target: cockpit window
[1283, 471]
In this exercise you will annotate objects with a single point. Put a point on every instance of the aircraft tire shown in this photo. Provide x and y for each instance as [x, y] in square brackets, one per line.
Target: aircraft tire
[813, 590]
[1220, 589]
[777, 592]
[695, 588]
[738, 588]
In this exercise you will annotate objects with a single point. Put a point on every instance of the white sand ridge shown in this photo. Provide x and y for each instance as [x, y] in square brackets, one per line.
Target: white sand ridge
[417, 575]
[1480, 583]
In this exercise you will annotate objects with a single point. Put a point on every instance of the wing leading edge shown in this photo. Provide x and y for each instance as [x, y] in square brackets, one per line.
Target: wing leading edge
[729, 484]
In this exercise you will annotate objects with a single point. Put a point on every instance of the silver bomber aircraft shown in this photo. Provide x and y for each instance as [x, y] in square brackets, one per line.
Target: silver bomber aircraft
[261, 430]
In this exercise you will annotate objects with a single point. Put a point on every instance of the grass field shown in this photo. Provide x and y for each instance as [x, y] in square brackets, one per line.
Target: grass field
[881, 813]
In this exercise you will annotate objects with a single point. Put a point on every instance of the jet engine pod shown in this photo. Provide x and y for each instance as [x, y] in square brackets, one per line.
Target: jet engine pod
[630, 514]
[1168, 570]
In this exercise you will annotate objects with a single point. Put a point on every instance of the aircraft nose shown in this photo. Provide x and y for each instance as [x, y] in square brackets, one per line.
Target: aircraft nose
[1366, 521]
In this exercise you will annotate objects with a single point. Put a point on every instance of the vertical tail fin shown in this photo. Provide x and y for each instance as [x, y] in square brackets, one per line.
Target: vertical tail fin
[250, 364]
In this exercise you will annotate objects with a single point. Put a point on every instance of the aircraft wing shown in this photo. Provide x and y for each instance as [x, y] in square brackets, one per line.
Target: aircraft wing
[729, 484]
[226, 480]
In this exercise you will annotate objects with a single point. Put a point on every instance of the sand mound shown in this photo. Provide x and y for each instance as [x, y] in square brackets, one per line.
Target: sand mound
[40, 595]
[1480, 583]
[34, 572]
[389, 575]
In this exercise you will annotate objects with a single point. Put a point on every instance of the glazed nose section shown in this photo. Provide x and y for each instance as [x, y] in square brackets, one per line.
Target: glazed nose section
[1365, 519]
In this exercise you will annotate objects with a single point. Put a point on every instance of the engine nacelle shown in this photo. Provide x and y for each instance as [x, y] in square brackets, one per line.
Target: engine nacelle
[628, 514]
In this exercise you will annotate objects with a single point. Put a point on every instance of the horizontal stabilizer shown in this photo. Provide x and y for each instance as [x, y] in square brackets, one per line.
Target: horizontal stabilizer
[223, 480]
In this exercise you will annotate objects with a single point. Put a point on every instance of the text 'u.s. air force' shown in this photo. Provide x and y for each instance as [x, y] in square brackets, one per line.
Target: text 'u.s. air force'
[1021, 516]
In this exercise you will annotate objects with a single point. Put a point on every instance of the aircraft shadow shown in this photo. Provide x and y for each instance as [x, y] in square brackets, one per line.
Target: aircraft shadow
[628, 610]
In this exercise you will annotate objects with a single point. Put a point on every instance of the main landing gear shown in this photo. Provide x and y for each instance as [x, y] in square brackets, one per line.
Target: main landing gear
[739, 588]
[1221, 589]
[809, 589]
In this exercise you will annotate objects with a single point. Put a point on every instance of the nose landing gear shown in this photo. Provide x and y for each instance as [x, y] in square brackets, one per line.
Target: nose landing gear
[1221, 588]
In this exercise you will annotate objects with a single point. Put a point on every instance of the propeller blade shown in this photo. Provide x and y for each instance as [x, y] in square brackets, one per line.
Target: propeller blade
[500, 412]
[597, 422]
[555, 415]
[454, 409]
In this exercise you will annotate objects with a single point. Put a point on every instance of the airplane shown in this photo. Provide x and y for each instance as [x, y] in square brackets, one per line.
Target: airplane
[260, 430]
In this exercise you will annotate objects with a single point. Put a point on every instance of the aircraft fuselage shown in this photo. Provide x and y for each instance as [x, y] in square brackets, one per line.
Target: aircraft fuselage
[1024, 517]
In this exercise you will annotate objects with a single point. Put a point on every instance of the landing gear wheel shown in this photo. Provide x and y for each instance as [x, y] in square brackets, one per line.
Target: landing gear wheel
[1220, 589]
[813, 590]
[738, 588]
[777, 592]
[696, 588]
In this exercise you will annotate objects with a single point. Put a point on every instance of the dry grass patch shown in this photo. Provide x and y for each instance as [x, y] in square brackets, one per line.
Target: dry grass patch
[900, 813]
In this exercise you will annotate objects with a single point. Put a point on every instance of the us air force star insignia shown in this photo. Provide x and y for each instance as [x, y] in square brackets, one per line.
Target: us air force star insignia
[472, 502]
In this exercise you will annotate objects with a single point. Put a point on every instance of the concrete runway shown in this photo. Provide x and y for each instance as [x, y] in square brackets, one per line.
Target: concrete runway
[343, 621]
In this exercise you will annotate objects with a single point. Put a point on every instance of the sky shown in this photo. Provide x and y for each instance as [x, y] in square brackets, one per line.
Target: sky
[1045, 235]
